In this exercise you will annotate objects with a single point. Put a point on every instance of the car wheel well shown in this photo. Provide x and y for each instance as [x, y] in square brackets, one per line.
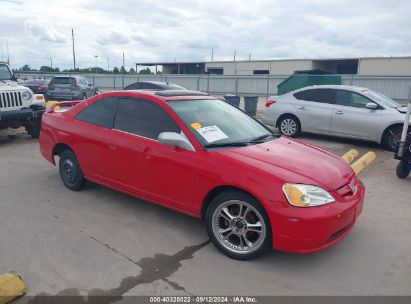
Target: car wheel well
[287, 115]
[60, 148]
[386, 130]
[214, 192]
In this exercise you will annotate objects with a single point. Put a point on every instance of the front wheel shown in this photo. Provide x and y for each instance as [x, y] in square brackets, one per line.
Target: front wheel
[70, 171]
[238, 225]
[289, 126]
[403, 169]
[392, 138]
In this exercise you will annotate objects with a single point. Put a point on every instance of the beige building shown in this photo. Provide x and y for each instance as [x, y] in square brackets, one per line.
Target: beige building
[369, 66]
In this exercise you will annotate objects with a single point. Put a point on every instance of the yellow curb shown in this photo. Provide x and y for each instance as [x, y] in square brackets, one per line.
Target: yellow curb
[350, 156]
[363, 162]
[11, 287]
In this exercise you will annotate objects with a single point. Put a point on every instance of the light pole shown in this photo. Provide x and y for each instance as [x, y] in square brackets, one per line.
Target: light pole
[95, 67]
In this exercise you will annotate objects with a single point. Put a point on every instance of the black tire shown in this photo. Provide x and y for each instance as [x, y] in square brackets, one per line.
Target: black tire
[403, 169]
[33, 129]
[222, 200]
[289, 125]
[70, 171]
[391, 138]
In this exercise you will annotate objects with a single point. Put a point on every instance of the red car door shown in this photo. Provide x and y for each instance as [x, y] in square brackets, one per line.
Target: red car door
[135, 160]
[92, 123]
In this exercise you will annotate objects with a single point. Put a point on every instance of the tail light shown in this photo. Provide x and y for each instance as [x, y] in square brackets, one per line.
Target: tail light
[41, 87]
[269, 102]
[51, 84]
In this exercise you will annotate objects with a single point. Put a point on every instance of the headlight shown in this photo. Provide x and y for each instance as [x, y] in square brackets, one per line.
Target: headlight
[306, 195]
[26, 95]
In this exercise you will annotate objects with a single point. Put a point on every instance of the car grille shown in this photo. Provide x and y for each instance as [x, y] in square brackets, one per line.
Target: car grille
[10, 100]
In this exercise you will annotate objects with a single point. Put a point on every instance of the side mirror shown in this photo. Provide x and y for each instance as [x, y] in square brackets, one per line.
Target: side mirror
[175, 140]
[371, 106]
[16, 75]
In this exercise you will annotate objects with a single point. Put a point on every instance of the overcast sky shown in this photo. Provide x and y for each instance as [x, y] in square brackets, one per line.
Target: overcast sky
[187, 30]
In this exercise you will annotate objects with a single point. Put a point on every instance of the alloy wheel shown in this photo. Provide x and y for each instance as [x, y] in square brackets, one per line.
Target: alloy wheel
[288, 127]
[238, 227]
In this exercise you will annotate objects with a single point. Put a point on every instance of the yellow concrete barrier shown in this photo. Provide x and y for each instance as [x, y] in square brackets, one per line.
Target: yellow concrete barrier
[350, 156]
[11, 287]
[363, 162]
[50, 102]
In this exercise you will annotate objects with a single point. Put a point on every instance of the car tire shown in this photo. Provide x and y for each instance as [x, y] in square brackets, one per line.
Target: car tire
[70, 171]
[403, 169]
[289, 126]
[392, 137]
[84, 97]
[228, 219]
[33, 129]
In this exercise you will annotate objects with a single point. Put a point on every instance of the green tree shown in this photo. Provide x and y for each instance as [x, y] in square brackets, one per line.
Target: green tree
[145, 71]
[26, 68]
[132, 71]
[45, 68]
[116, 70]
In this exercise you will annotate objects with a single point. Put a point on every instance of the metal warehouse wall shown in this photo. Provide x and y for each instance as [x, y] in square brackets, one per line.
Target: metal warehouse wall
[385, 66]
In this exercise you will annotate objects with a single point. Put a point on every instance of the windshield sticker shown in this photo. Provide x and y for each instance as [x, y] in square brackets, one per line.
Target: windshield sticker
[196, 125]
[212, 133]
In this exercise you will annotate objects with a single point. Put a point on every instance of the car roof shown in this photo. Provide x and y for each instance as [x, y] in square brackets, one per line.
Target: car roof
[164, 95]
[335, 87]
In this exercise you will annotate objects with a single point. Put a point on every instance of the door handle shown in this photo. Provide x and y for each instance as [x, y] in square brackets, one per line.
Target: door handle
[302, 108]
[339, 112]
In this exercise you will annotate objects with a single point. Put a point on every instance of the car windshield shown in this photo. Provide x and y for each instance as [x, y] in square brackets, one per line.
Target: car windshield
[5, 73]
[382, 99]
[215, 123]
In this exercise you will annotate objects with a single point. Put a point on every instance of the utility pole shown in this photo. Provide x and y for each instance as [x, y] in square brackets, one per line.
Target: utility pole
[1, 45]
[108, 65]
[74, 54]
[123, 70]
[95, 67]
[249, 57]
[212, 55]
[235, 63]
[51, 62]
[8, 55]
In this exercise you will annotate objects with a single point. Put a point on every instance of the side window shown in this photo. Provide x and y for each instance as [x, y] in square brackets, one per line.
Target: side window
[100, 113]
[350, 99]
[148, 86]
[133, 86]
[143, 118]
[316, 95]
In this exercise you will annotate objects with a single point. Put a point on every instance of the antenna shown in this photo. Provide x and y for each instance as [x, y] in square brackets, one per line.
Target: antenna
[74, 54]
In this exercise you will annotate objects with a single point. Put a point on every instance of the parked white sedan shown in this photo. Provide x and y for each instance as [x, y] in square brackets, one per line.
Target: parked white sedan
[344, 111]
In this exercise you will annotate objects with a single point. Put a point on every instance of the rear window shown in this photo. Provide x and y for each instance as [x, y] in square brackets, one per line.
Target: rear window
[63, 80]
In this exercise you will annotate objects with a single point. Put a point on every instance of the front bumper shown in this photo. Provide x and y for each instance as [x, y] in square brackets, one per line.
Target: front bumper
[22, 115]
[307, 230]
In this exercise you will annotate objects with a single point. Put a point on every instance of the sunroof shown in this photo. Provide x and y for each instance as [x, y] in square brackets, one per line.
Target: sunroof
[170, 93]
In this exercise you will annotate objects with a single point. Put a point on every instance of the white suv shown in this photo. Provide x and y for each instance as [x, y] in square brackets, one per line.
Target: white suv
[18, 105]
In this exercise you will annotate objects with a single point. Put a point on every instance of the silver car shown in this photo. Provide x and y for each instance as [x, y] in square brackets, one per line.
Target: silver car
[344, 111]
[72, 87]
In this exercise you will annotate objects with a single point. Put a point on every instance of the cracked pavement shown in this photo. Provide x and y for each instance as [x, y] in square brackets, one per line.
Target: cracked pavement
[101, 242]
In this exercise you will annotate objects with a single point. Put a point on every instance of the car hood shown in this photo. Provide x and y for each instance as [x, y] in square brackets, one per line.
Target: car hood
[402, 109]
[295, 162]
[8, 85]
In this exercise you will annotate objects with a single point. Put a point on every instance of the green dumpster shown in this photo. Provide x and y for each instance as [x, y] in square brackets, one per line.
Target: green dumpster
[301, 79]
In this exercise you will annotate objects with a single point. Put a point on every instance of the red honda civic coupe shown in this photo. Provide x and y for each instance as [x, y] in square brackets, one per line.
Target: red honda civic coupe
[201, 156]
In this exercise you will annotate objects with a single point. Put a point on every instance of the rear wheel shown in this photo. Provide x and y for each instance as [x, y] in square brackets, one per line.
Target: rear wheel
[392, 138]
[403, 169]
[238, 225]
[289, 126]
[70, 171]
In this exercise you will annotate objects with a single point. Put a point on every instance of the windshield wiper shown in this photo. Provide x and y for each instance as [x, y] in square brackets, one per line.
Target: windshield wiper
[232, 144]
[260, 138]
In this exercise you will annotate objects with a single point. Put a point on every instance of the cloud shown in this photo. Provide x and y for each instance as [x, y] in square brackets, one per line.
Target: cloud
[44, 30]
[113, 38]
[186, 30]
